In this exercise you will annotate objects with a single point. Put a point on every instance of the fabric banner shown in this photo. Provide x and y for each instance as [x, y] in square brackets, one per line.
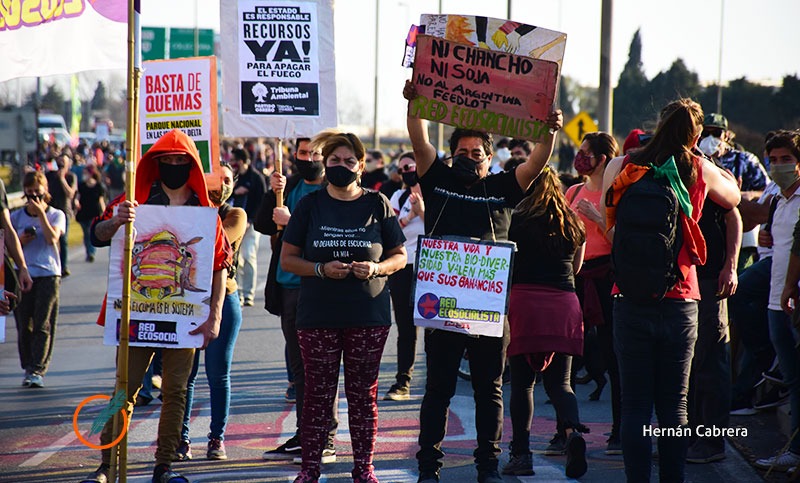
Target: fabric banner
[62, 37]
[462, 285]
[182, 94]
[473, 88]
[172, 266]
[279, 78]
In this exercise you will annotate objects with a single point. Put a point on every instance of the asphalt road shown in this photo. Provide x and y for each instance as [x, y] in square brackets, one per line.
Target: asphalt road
[38, 444]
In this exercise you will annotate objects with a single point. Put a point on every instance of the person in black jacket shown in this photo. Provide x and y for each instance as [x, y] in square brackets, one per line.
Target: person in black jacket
[247, 195]
[283, 288]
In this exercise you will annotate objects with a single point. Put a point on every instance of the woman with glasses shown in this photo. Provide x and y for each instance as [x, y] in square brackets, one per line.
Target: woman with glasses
[593, 283]
[39, 227]
[343, 241]
[407, 203]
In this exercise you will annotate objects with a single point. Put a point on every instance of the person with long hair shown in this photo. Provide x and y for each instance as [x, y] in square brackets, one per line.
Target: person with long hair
[654, 342]
[594, 281]
[39, 227]
[90, 203]
[343, 241]
[219, 353]
[545, 320]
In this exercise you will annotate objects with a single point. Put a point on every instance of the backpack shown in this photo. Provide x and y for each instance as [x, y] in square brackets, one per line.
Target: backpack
[648, 237]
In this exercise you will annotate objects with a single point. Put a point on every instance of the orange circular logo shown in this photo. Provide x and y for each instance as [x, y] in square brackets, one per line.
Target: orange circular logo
[99, 422]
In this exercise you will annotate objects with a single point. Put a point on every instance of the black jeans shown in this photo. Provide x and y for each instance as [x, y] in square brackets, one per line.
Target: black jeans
[710, 381]
[487, 355]
[289, 298]
[556, 380]
[654, 345]
[748, 314]
[400, 284]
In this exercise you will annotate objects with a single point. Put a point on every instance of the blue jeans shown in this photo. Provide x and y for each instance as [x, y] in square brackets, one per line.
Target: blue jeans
[655, 346]
[784, 339]
[87, 240]
[219, 355]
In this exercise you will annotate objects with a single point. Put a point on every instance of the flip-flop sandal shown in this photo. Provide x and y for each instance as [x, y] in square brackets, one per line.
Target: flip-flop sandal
[172, 477]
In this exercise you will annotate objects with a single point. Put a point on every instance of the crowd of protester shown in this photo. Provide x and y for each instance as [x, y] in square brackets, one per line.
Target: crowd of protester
[720, 343]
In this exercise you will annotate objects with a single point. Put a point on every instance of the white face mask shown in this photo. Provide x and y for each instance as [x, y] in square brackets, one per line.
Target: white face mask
[711, 146]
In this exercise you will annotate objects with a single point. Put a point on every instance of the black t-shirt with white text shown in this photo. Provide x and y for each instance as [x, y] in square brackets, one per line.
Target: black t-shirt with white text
[453, 209]
[328, 229]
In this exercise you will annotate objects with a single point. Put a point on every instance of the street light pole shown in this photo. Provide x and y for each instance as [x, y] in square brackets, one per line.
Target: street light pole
[606, 94]
[719, 65]
[376, 140]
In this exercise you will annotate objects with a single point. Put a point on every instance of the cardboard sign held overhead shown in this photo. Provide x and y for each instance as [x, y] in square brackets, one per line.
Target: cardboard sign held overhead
[473, 88]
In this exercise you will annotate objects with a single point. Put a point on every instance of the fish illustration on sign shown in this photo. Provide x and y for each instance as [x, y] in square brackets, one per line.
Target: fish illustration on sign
[162, 266]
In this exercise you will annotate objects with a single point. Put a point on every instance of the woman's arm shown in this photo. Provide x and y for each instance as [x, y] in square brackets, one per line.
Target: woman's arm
[721, 187]
[396, 259]
[577, 259]
[293, 262]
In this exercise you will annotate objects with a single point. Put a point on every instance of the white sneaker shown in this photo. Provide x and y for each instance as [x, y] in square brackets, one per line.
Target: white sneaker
[781, 462]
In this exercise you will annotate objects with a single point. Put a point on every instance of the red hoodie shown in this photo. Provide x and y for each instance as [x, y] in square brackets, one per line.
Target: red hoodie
[147, 172]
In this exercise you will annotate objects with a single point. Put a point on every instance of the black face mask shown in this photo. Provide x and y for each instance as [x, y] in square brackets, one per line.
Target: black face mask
[340, 176]
[410, 178]
[309, 170]
[465, 170]
[174, 175]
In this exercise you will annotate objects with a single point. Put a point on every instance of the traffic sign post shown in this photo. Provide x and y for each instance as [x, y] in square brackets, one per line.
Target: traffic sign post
[181, 43]
[154, 43]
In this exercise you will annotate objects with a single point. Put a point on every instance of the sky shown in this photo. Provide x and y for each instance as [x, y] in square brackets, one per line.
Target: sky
[760, 39]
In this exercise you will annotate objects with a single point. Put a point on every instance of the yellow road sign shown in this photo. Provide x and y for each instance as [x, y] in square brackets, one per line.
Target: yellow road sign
[579, 126]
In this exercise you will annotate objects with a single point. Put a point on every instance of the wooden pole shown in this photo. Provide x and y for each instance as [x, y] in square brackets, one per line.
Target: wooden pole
[131, 150]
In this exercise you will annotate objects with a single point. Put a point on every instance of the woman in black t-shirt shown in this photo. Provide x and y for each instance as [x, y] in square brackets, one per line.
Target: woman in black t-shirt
[90, 203]
[545, 319]
[343, 241]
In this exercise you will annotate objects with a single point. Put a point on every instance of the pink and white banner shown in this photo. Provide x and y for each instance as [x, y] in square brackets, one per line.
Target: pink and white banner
[41, 38]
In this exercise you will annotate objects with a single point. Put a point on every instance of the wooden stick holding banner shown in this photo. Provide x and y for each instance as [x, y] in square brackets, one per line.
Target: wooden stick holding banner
[134, 74]
[279, 170]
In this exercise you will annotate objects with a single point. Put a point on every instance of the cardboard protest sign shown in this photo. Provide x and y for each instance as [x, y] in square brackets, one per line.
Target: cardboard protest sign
[462, 285]
[182, 94]
[473, 88]
[172, 265]
[279, 75]
[497, 34]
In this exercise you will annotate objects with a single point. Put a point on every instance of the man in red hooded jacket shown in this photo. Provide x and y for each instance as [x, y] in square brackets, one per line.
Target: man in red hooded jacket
[169, 174]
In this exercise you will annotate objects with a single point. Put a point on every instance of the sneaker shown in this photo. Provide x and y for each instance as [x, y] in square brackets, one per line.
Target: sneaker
[428, 477]
[558, 445]
[774, 376]
[90, 258]
[742, 408]
[307, 476]
[248, 302]
[702, 452]
[489, 476]
[26, 381]
[781, 462]
[291, 394]
[576, 455]
[777, 396]
[285, 452]
[36, 380]
[365, 476]
[216, 449]
[398, 392]
[613, 445]
[328, 456]
[519, 465]
[65, 273]
[184, 451]
[100, 475]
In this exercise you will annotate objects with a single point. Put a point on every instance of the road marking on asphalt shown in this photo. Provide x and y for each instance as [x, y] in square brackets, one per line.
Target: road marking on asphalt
[54, 448]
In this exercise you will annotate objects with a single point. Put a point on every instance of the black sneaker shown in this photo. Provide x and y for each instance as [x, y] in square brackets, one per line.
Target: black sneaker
[428, 477]
[774, 376]
[328, 455]
[398, 392]
[489, 476]
[777, 396]
[613, 445]
[557, 446]
[576, 455]
[285, 452]
[100, 475]
[519, 465]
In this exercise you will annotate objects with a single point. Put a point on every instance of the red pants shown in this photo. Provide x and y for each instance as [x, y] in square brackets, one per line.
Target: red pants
[322, 350]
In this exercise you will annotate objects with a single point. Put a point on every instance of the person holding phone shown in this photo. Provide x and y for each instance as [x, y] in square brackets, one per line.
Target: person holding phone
[39, 227]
